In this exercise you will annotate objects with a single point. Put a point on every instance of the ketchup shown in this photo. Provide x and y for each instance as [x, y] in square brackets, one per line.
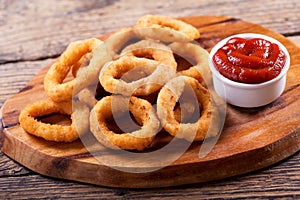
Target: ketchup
[254, 60]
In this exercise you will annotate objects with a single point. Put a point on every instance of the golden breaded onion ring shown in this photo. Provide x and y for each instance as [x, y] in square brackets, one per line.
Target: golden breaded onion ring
[119, 76]
[109, 107]
[84, 61]
[50, 132]
[165, 29]
[120, 39]
[152, 50]
[195, 55]
[53, 81]
[169, 96]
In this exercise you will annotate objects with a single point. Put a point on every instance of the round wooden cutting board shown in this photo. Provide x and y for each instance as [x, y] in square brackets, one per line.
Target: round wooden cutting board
[251, 138]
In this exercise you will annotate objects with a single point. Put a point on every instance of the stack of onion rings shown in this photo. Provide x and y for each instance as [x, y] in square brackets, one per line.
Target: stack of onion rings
[131, 66]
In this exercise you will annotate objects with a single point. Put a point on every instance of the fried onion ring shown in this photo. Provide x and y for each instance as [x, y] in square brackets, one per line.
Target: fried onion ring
[195, 55]
[120, 39]
[50, 132]
[168, 97]
[184, 112]
[53, 81]
[119, 77]
[84, 61]
[165, 29]
[108, 107]
[152, 50]
[87, 96]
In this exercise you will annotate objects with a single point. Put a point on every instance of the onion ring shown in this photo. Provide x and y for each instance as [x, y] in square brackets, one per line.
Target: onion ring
[53, 81]
[184, 112]
[142, 111]
[50, 132]
[87, 96]
[152, 50]
[196, 55]
[113, 76]
[169, 95]
[83, 62]
[118, 40]
[165, 29]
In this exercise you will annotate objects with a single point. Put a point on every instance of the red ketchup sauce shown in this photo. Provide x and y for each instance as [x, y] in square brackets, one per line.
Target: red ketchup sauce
[252, 60]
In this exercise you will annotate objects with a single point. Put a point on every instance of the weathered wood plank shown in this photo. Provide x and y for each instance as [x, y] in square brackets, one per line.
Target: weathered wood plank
[14, 76]
[281, 180]
[30, 30]
[295, 39]
[9, 168]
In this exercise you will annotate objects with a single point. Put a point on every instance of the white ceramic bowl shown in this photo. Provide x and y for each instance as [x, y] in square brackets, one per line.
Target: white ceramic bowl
[249, 95]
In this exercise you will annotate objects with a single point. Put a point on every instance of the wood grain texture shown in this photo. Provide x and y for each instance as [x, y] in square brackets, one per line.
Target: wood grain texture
[40, 26]
[251, 138]
[267, 185]
[44, 30]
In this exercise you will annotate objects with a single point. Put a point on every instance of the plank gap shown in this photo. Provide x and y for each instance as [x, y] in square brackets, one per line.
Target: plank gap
[2, 62]
[297, 33]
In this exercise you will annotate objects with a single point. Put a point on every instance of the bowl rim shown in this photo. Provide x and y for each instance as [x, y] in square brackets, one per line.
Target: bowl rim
[218, 75]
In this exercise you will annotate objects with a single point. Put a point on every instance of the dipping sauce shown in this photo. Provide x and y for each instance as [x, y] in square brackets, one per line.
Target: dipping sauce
[253, 61]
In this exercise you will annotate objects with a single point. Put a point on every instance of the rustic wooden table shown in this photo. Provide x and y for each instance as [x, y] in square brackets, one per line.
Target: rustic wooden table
[33, 33]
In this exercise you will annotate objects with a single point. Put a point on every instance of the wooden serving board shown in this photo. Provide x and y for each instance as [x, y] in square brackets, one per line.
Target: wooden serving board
[251, 139]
